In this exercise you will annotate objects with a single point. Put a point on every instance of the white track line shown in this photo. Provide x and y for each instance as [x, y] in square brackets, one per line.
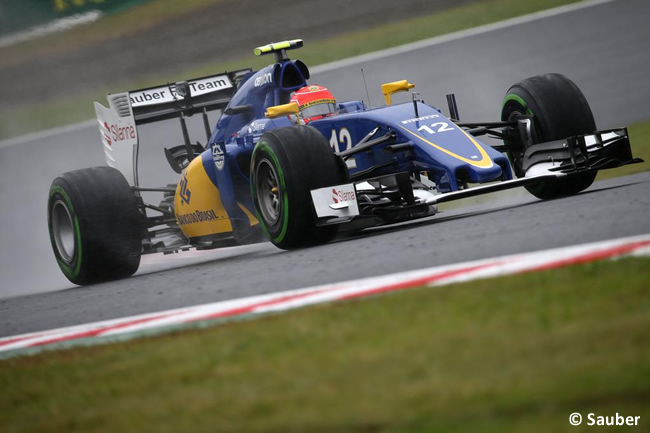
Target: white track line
[367, 57]
[207, 314]
[41, 135]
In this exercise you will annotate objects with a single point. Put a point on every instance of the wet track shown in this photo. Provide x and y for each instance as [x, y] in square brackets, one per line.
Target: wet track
[603, 48]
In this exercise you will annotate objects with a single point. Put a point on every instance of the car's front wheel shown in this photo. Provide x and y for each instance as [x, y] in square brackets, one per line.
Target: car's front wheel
[559, 110]
[287, 163]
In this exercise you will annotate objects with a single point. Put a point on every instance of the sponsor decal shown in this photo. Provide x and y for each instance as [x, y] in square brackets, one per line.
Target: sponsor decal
[147, 97]
[115, 133]
[198, 216]
[106, 135]
[318, 101]
[256, 127]
[163, 94]
[263, 79]
[218, 156]
[340, 195]
[184, 193]
[418, 119]
[207, 85]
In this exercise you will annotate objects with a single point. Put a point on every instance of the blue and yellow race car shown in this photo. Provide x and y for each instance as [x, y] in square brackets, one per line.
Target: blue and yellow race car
[288, 163]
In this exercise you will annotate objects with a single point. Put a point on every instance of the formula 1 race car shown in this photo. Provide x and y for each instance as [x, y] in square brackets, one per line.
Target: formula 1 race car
[268, 171]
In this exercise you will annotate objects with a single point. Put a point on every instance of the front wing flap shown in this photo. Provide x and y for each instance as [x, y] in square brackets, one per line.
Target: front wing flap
[601, 150]
[337, 201]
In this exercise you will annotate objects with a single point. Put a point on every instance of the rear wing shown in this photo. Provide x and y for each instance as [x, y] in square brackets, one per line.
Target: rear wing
[119, 121]
[209, 93]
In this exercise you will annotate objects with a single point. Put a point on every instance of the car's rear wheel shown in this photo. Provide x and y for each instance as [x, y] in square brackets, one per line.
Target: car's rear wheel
[559, 110]
[95, 225]
[287, 163]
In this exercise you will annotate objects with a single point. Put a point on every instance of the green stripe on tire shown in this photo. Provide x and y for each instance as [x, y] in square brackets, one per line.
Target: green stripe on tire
[263, 146]
[72, 273]
[512, 97]
[519, 100]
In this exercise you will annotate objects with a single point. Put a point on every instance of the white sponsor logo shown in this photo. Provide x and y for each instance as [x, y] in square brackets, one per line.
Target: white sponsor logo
[208, 85]
[218, 157]
[263, 79]
[256, 127]
[149, 97]
[163, 94]
[418, 119]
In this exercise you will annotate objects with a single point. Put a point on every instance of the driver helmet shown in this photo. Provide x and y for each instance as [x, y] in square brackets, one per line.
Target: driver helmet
[315, 102]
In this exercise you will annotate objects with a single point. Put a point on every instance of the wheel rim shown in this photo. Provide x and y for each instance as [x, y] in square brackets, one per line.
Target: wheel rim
[63, 231]
[268, 191]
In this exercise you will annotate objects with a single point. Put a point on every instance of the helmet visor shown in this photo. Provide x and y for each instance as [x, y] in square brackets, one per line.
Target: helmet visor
[319, 110]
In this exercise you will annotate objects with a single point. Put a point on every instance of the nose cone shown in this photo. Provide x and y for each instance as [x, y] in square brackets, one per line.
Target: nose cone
[472, 174]
[451, 147]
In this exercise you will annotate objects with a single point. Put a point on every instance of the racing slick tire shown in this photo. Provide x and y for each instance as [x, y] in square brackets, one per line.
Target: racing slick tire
[559, 110]
[287, 163]
[95, 225]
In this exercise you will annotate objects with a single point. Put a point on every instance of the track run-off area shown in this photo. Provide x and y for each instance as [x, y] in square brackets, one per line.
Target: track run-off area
[602, 47]
[201, 315]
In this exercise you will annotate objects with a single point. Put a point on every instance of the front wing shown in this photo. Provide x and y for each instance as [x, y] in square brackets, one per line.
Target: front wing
[601, 150]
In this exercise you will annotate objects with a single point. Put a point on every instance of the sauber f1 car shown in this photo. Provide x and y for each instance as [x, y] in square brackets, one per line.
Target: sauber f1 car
[265, 172]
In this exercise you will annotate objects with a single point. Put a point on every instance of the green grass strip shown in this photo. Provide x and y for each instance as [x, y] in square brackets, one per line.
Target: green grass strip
[512, 354]
[639, 134]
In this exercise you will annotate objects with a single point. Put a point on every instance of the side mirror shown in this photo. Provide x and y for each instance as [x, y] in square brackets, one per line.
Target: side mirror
[282, 110]
[396, 86]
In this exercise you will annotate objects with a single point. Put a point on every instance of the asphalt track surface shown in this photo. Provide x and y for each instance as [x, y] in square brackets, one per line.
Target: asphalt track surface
[603, 48]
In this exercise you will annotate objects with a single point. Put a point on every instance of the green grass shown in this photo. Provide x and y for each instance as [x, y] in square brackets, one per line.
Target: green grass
[22, 120]
[640, 141]
[514, 354]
